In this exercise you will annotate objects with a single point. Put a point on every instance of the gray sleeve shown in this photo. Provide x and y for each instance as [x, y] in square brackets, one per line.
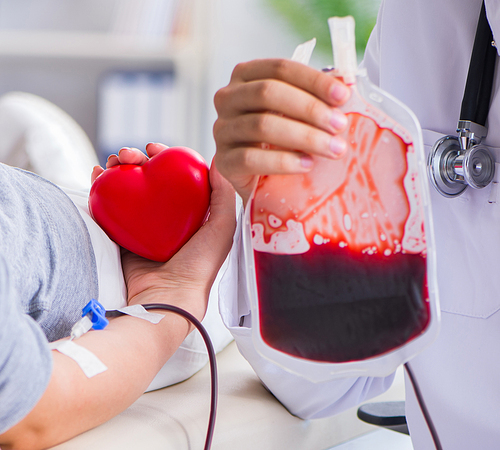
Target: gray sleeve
[25, 358]
[46, 244]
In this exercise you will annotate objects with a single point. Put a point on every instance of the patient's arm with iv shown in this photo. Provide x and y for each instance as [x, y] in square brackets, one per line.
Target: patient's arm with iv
[132, 349]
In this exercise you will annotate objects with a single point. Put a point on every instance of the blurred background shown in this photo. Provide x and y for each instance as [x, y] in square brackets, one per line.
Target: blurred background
[137, 71]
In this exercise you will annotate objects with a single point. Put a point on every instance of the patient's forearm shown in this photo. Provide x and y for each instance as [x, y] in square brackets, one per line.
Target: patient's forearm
[133, 350]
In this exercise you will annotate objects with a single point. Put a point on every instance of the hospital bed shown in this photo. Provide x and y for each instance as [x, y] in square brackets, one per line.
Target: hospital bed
[248, 417]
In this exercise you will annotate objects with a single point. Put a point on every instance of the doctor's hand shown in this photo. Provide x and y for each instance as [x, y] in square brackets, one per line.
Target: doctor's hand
[272, 116]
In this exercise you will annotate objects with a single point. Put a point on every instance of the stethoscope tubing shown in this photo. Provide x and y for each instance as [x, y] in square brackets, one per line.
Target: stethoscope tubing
[479, 85]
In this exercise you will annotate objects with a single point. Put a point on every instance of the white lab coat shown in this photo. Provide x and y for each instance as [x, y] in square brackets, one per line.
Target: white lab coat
[419, 52]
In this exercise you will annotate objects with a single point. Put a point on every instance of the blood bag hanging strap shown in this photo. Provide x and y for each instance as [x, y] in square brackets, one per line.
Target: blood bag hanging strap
[477, 94]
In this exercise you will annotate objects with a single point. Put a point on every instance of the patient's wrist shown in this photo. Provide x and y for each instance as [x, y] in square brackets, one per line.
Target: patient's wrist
[193, 300]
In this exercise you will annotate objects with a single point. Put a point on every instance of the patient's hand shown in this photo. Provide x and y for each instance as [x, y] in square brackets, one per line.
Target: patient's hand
[188, 276]
[186, 279]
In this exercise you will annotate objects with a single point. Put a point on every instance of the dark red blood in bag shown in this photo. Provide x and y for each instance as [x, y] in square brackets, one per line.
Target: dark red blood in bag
[356, 286]
[330, 305]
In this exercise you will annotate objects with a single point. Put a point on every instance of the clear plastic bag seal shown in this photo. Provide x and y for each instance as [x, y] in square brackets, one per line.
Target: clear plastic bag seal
[304, 51]
[340, 262]
[344, 47]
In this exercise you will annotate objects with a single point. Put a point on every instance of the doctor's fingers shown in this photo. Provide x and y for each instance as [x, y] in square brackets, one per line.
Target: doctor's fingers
[278, 131]
[282, 98]
[243, 165]
[244, 162]
[324, 86]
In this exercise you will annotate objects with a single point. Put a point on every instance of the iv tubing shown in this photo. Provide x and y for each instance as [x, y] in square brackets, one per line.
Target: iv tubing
[211, 358]
[423, 408]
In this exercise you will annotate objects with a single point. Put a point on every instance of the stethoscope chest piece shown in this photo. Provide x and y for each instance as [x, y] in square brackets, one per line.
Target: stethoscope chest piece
[456, 162]
[451, 169]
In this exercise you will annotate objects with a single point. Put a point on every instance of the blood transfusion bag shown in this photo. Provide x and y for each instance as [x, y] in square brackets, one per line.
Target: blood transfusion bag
[341, 259]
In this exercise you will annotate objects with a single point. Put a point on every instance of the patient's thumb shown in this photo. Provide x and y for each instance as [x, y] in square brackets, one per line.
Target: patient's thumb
[222, 201]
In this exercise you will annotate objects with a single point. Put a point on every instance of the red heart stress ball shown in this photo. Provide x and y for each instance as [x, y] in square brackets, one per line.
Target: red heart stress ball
[153, 209]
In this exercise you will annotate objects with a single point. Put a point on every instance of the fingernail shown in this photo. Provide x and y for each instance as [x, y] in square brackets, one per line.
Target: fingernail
[337, 146]
[306, 161]
[338, 120]
[340, 92]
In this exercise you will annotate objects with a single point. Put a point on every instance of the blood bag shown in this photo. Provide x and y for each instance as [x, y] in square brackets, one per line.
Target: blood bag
[341, 265]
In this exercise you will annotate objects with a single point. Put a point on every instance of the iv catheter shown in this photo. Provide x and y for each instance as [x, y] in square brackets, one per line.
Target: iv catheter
[456, 162]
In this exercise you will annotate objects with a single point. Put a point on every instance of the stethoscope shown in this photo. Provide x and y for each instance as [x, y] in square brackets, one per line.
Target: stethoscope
[456, 162]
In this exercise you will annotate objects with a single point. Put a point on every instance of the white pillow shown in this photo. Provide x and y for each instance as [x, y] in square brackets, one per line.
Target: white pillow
[40, 137]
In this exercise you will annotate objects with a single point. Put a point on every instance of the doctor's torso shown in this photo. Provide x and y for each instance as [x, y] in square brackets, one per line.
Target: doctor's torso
[420, 53]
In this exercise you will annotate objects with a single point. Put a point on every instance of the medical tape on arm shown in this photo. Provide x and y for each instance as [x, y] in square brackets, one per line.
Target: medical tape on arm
[94, 316]
[139, 312]
[88, 362]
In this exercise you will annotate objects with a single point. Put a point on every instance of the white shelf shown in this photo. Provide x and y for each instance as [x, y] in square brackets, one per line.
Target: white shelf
[66, 67]
[92, 46]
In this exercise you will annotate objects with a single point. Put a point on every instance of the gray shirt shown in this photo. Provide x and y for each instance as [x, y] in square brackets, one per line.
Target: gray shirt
[47, 275]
